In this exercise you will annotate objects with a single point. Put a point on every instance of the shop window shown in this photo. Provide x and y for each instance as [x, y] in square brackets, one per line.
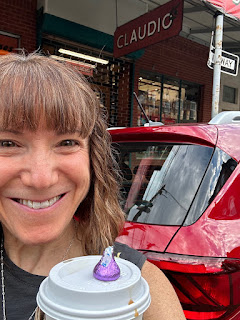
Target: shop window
[167, 99]
[172, 106]
[190, 95]
[112, 82]
[229, 94]
[149, 90]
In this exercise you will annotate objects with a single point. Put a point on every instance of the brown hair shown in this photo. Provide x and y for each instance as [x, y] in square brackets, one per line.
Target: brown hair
[36, 87]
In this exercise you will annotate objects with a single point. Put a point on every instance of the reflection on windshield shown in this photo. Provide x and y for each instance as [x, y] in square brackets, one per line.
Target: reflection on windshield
[219, 170]
[165, 180]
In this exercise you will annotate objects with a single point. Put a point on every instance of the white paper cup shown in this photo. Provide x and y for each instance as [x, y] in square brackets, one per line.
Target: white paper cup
[71, 292]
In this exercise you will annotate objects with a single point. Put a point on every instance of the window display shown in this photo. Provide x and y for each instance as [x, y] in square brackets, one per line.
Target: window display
[167, 99]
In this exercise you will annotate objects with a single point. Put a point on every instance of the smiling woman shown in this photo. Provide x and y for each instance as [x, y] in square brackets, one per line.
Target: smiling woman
[59, 196]
[39, 94]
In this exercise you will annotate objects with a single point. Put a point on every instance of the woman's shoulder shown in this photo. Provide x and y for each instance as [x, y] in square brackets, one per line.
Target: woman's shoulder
[165, 303]
[125, 252]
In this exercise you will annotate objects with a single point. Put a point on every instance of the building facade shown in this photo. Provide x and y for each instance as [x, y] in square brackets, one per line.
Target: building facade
[170, 78]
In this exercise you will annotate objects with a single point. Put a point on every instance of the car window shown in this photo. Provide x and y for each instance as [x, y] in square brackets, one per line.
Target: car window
[219, 170]
[160, 181]
[170, 184]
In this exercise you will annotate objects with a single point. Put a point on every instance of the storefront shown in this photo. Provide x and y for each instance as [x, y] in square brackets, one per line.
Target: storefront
[170, 77]
[91, 52]
[173, 83]
[171, 90]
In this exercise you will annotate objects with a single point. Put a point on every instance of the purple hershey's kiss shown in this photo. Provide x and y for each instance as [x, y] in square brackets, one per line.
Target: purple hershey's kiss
[107, 269]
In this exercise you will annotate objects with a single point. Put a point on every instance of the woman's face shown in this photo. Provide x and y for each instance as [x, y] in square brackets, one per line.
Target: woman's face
[44, 177]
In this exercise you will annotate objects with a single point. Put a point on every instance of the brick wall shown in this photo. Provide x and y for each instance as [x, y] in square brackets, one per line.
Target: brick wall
[20, 17]
[182, 59]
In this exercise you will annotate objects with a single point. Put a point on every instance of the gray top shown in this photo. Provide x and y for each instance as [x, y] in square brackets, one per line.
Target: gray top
[21, 287]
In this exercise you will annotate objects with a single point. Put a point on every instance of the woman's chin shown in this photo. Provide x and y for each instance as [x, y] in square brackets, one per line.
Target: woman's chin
[38, 239]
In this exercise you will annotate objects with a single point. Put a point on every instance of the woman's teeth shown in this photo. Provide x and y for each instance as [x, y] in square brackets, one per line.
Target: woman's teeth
[39, 205]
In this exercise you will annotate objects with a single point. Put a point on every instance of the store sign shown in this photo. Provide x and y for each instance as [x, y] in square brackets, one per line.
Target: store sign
[159, 24]
[229, 7]
[8, 43]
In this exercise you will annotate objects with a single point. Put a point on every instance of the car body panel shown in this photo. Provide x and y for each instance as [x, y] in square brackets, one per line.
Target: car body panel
[218, 228]
[151, 237]
[228, 140]
[201, 256]
[204, 134]
[199, 134]
[219, 219]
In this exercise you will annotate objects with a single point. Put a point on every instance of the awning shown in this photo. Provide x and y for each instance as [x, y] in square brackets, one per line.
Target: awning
[230, 8]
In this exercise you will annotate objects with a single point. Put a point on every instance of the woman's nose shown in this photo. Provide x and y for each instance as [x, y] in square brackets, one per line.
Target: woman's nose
[40, 172]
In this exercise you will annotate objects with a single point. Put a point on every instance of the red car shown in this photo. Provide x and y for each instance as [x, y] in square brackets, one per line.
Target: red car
[181, 195]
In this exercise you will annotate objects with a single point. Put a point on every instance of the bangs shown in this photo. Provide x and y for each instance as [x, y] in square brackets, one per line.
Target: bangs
[35, 89]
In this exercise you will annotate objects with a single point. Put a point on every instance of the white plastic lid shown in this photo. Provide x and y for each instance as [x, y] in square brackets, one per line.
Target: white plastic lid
[71, 292]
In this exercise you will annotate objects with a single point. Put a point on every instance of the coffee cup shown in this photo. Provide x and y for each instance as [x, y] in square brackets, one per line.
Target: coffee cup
[71, 292]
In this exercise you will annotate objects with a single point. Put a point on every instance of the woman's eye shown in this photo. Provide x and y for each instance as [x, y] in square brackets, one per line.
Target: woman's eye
[7, 144]
[68, 143]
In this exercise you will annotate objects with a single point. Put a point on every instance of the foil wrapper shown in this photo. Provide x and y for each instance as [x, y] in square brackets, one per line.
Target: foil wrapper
[107, 269]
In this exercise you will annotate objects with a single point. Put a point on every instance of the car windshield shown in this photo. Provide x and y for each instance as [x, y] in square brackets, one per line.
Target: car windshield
[161, 182]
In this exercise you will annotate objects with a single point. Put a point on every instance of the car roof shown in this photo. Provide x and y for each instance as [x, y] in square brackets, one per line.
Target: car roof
[224, 136]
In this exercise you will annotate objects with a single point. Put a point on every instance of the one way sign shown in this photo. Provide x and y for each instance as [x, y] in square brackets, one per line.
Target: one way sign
[229, 62]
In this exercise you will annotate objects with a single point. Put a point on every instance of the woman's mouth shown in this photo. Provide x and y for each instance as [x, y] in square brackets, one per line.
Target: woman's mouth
[37, 204]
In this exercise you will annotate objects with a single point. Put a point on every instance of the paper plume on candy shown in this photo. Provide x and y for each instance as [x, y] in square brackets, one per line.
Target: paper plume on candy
[107, 269]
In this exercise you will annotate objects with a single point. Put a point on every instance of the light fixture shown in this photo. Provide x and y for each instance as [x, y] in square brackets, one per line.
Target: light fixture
[88, 65]
[83, 56]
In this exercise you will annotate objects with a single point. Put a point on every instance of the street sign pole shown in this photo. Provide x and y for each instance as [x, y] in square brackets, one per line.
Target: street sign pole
[217, 64]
